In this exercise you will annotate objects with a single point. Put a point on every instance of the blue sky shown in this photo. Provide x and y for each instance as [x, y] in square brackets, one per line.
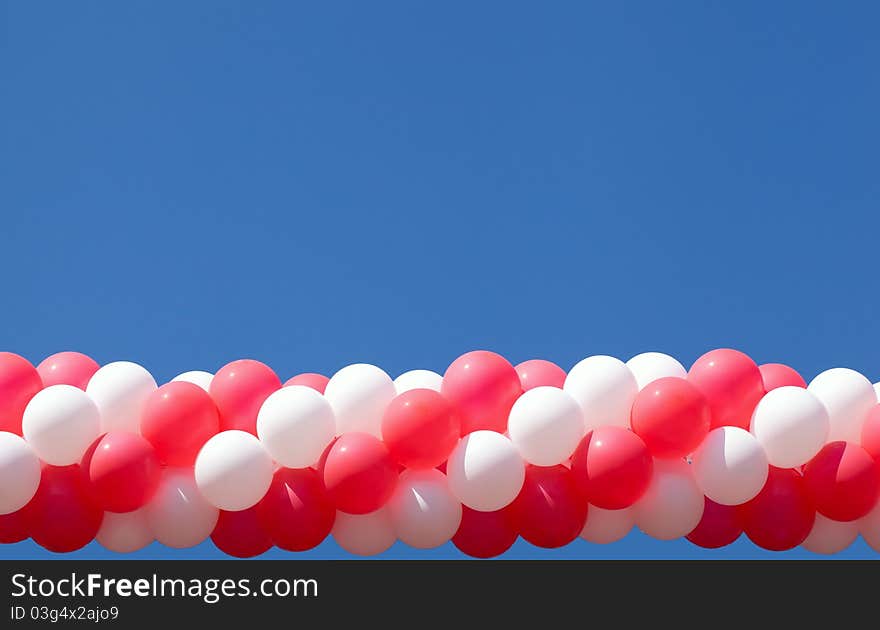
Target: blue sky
[183, 184]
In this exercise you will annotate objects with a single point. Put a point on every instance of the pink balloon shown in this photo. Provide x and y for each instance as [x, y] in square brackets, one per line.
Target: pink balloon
[776, 375]
[19, 382]
[318, 382]
[540, 373]
[67, 368]
[239, 390]
[484, 386]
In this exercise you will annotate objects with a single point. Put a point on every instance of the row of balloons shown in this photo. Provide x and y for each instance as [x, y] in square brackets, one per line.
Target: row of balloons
[481, 455]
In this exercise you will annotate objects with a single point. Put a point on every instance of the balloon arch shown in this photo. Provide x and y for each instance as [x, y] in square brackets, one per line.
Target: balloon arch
[484, 454]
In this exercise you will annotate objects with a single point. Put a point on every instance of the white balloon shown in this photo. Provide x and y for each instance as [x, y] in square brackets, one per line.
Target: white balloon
[545, 424]
[877, 391]
[359, 395]
[829, 537]
[791, 424]
[120, 390]
[423, 511]
[607, 526]
[125, 533]
[485, 471]
[60, 423]
[604, 388]
[649, 366]
[296, 424]
[672, 506]
[19, 473]
[234, 470]
[730, 466]
[178, 515]
[196, 377]
[418, 379]
[364, 534]
[848, 396]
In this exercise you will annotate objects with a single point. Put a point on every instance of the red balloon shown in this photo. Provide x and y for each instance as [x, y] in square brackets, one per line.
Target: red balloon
[671, 416]
[612, 467]
[732, 384]
[540, 373]
[14, 527]
[19, 382]
[358, 473]
[64, 515]
[420, 428]
[240, 534]
[782, 514]
[178, 418]
[296, 511]
[871, 433]
[484, 534]
[775, 375]
[124, 471]
[67, 368]
[483, 386]
[549, 511]
[843, 480]
[318, 382]
[239, 389]
[720, 526]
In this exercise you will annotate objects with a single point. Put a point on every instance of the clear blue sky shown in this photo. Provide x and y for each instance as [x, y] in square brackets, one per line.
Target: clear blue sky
[183, 184]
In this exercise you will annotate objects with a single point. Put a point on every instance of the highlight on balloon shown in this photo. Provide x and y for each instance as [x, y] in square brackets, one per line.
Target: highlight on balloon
[482, 455]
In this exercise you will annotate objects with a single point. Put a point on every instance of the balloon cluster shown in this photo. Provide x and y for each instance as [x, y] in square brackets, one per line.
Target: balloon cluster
[481, 455]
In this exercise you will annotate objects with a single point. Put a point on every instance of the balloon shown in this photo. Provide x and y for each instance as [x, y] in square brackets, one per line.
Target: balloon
[423, 511]
[730, 466]
[63, 515]
[196, 377]
[775, 375]
[359, 395]
[364, 534]
[67, 368]
[179, 516]
[671, 416]
[732, 384]
[604, 388]
[19, 382]
[318, 382]
[485, 471]
[843, 481]
[239, 389]
[649, 366]
[672, 506]
[877, 390]
[791, 424]
[418, 379]
[485, 534]
[549, 511]
[358, 473]
[233, 470]
[178, 418]
[848, 396]
[123, 470]
[19, 473]
[120, 390]
[869, 528]
[829, 537]
[540, 373]
[871, 432]
[546, 425]
[782, 514]
[612, 467]
[60, 423]
[14, 527]
[719, 526]
[607, 526]
[296, 424]
[420, 428]
[125, 533]
[483, 386]
[296, 512]
[240, 534]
